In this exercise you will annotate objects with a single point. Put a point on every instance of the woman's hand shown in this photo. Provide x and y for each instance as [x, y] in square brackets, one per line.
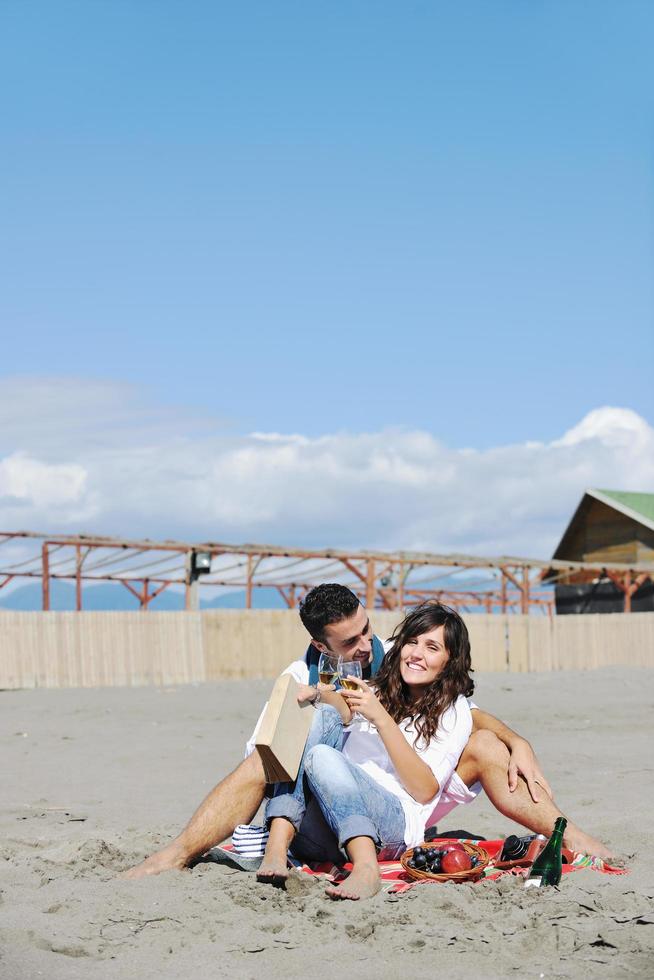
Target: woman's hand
[365, 702]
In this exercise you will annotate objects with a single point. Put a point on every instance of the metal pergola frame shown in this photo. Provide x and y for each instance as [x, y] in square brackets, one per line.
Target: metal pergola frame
[383, 580]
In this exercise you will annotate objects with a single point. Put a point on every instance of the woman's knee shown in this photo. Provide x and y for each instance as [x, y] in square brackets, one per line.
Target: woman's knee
[321, 758]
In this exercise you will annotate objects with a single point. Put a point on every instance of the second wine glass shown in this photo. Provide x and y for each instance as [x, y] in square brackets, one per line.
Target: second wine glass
[347, 673]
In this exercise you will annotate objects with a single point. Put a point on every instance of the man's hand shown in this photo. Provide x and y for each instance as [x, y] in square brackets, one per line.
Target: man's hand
[306, 694]
[523, 762]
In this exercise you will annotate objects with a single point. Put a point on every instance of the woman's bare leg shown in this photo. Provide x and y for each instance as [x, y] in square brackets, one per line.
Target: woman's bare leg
[274, 867]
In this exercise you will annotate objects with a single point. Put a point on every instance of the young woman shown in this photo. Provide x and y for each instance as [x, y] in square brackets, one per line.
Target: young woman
[378, 781]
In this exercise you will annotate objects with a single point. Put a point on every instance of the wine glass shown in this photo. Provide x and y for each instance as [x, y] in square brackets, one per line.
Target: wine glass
[328, 668]
[346, 674]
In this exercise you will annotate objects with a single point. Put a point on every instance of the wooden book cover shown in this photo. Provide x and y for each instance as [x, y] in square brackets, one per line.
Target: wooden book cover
[283, 731]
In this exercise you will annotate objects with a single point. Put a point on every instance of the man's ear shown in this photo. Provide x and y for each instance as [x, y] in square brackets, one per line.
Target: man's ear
[320, 647]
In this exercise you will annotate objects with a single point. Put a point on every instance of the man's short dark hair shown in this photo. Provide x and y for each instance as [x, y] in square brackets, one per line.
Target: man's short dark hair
[324, 605]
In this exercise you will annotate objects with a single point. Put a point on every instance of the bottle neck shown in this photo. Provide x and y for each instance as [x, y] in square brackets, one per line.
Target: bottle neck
[559, 826]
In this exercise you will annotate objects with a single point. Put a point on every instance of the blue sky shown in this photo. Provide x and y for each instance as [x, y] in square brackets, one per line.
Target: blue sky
[315, 218]
[349, 274]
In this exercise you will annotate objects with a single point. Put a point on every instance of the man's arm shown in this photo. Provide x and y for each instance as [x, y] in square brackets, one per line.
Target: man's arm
[328, 695]
[522, 760]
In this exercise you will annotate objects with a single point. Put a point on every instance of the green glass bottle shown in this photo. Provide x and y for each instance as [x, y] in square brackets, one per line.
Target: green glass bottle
[546, 869]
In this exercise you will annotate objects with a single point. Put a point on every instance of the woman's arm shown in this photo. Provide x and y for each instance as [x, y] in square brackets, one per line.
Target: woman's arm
[414, 774]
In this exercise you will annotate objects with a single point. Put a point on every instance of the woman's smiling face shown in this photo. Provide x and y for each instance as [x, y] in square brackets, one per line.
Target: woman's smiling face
[422, 659]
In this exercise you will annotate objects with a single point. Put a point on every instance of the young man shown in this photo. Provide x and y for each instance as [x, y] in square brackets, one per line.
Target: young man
[496, 758]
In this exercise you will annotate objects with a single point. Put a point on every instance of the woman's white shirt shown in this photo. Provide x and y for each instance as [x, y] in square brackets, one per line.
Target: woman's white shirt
[365, 747]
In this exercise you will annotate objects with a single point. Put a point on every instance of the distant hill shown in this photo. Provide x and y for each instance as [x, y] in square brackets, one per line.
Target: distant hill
[110, 596]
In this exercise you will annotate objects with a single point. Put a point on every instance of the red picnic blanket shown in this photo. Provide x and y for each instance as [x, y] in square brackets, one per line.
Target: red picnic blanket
[395, 879]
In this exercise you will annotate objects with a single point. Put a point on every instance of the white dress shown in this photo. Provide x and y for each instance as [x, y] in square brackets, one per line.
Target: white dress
[365, 747]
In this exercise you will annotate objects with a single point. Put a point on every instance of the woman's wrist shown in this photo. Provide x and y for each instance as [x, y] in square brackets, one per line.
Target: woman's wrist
[384, 722]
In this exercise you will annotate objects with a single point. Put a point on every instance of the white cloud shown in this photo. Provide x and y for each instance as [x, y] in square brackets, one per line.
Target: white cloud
[74, 456]
[29, 482]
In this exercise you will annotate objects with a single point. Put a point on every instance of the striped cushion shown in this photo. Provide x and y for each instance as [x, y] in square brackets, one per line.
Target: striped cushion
[250, 840]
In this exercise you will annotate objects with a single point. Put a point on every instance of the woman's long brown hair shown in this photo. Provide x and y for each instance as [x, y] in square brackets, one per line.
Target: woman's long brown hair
[453, 680]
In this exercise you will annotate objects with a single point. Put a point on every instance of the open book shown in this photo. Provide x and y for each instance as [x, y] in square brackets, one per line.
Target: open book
[283, 731]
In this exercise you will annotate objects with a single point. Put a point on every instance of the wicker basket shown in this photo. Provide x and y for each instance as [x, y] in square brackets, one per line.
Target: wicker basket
[473, 874]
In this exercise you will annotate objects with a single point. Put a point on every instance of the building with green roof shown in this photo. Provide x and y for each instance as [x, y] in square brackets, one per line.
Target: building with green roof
[609, 527]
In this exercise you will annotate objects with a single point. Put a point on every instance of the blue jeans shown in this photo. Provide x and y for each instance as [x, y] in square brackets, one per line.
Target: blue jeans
[349, 801]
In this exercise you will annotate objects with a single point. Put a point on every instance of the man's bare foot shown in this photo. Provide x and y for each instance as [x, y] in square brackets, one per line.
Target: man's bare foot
[168, 859]
[576, 840]
[362, 882]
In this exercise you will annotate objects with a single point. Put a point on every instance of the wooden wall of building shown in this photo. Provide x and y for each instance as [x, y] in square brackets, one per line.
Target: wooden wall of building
[605, 535]
[94, 649]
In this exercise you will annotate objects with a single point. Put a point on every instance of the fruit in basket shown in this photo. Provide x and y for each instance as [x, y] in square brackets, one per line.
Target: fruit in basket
[456, 860]
[454, 846]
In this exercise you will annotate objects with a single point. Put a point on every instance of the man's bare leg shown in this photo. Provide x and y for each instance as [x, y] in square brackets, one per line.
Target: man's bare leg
[485, 760]
[234, 800]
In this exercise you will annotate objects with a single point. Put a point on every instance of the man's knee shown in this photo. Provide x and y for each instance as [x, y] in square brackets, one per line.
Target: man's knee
[485, 747]
[251, 770]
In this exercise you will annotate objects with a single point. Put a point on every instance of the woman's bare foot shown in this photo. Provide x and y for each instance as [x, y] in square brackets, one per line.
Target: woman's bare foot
[273, 871]
[362, 882]
[171, 858]
[583, 843]
[274, 867]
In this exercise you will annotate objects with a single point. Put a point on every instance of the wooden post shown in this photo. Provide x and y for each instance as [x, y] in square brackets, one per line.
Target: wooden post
[248, 585]
[78, 578]
[627, 592]
[524, 604]
[503, 593]
[370, 585]
[188, 593]
[45, 577]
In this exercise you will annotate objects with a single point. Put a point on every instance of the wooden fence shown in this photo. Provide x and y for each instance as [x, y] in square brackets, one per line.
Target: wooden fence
[95, 649]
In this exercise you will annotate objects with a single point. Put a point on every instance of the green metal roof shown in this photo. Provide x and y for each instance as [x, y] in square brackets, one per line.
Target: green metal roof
[641, 505]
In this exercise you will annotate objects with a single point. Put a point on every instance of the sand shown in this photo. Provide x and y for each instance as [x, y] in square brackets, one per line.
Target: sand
[96, 779]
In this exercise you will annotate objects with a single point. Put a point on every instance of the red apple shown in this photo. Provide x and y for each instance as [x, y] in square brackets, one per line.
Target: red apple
[454, 846]
[455, 860]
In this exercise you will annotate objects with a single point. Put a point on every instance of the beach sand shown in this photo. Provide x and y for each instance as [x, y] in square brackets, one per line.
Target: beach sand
[93, 780]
